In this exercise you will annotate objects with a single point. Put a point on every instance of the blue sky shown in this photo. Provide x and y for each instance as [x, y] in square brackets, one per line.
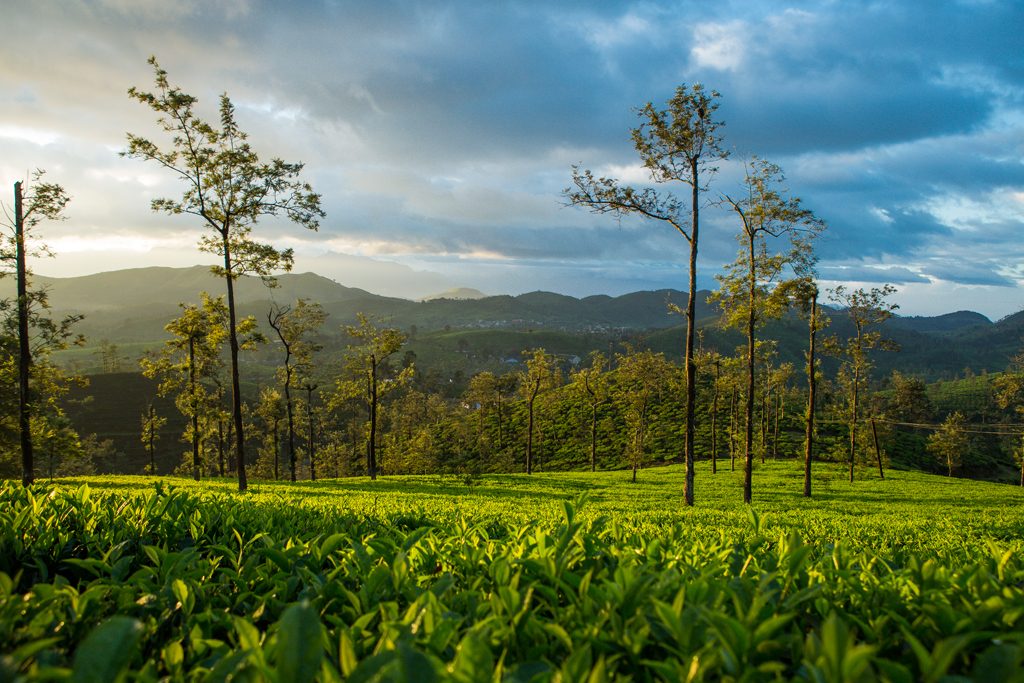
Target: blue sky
[441, 134]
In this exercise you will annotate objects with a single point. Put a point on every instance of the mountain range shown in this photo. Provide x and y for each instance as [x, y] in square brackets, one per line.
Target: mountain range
[132, 306]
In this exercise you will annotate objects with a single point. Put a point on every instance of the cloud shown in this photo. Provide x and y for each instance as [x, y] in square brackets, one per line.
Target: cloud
[448, 130]
[720, 47]
[969, 273]
[896, 275]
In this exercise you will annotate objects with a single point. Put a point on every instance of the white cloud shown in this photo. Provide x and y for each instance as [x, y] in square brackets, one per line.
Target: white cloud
[972, 213]
[719, 46]
[33, 135]
[630, 174]
[620, 31]
[121, 244]
[881, 214]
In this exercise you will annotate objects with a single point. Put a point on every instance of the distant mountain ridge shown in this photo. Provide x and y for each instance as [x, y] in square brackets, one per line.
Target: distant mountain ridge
[948, 322]
[459, 293]
[134, 305]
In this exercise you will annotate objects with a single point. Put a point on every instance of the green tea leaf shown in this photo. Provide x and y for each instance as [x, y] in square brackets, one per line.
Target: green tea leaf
[299, 649]
[106, 651]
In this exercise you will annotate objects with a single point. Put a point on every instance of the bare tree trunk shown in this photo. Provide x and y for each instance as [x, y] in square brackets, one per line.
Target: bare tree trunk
[290, 412]
[714, 421]
[371, 447]
[152, 445]
[24, 350]
[811, 385]
[312, 445]
[220, 442]
[878, 451]
[277, 450]
[853, 420]
[748, 444]
[780, 409]
[236, 390]
[195, 406]
[593, 437]
[691, 324]
[732, 431]
[765, 418]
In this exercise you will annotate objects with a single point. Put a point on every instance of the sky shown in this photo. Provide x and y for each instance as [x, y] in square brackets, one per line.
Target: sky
[441, 134]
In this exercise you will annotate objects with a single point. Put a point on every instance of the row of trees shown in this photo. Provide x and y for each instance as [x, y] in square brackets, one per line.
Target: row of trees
[373, 407]
[617, 411]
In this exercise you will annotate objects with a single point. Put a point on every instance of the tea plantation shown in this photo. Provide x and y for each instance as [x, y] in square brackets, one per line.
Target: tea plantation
[563, 577]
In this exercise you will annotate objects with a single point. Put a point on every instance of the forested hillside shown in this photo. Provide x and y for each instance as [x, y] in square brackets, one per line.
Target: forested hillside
[130, 308]
[455, 347]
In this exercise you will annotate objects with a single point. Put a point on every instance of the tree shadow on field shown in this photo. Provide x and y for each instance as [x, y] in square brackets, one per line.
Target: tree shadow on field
[439, 487]
[844, 493]
[106, 484]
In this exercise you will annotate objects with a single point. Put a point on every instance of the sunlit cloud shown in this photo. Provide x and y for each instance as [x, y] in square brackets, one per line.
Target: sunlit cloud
[33, 135]
[445, 134]
[113, 244]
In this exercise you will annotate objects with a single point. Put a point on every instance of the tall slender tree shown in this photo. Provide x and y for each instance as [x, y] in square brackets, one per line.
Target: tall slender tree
[294, 326]
[591, 383]
[540, 375]
[365, 379]
[715, 360]
[804, 295]
[191, 360]
[749, 294]
[270, 411]
[229, 189]
[679, 144]
[865, 309]
[151, 426]
[309, 387]
[44, 201]
[949, 442]
[189, 356]
[641, 376]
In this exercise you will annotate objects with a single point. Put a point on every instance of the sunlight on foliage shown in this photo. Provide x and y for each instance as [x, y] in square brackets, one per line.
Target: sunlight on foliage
[571, 577]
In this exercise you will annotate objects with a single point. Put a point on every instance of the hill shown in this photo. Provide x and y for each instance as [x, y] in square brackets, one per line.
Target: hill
[959, 321]
[457, 293]
[130, 308]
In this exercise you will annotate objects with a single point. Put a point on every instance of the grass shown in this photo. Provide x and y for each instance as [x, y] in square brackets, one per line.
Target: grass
[555, 576]
[924, 510]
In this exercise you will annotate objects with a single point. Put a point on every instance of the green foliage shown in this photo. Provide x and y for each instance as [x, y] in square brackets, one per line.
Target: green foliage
[190, 365]
[295, 327]
[576, 576]
[31, 383]
[949, 442]
[226, 184]
[229, 189]
[368, 377]
[679, 144]
[641, 379]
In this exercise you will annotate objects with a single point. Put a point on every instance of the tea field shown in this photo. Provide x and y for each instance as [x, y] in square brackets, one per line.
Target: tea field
[553, 577]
